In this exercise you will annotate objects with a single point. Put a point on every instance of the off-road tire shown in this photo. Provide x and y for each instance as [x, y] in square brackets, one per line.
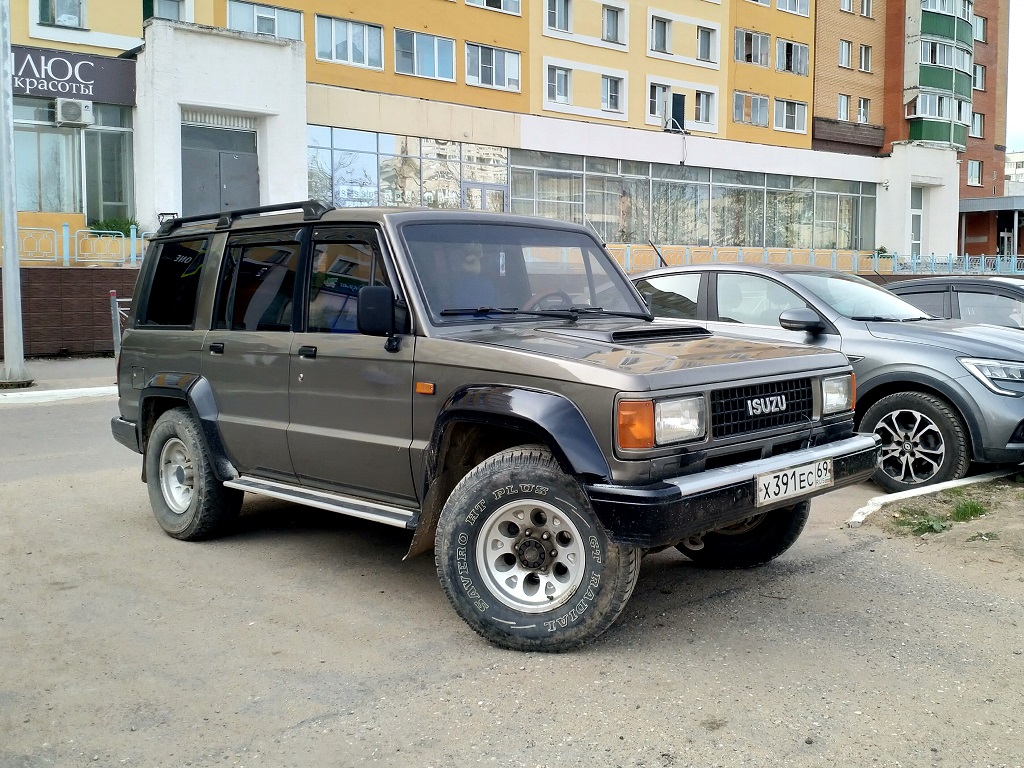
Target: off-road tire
[494, 543]
[935, 429]
[757, 540]
[189, 502]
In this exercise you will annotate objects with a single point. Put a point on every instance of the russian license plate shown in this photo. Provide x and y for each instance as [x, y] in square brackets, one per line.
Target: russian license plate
[795, 481]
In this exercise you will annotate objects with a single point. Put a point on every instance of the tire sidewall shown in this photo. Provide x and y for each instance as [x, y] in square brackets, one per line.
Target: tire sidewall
[953, 437]
[174, 425]
[465, 519]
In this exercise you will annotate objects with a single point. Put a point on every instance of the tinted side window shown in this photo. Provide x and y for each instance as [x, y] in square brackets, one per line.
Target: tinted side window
[344, 261]
[672, 295]
[174, 288]
[258, 282]
[932, 302]
[996, 309]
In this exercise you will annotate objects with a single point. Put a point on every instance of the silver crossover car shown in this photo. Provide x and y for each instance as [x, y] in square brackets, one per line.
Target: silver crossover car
[940, 393]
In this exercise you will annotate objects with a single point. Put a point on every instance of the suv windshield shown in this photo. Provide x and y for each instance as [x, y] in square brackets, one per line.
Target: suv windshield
[463, 269]
[856, 298]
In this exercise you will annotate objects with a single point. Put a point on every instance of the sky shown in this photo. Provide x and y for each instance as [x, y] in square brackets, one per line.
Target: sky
[1015, 86]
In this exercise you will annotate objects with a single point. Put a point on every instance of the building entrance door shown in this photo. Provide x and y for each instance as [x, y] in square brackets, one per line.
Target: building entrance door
[484, 197]
[219, 170]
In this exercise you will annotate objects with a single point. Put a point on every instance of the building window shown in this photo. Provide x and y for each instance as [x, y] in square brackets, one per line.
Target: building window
[974, 173]
[424, 55]
[660, 34]
[752, 47]
[930, 105]
[965, 9]
[703, 107]
[977, 126]
[939, 6]
[558, 85]
[558, 15]
[963, 112]
[981, 29]
[865, 58]
[962, 59]
[790, 116]
[863, 110]
[794, 6]
[612, 24]
[843, 110]
[168, 9]
[750, 109]
[611, 92]
[979, 77]
[845, 54]
[936, 53]
[706, 44]
[63, 13]
[264, 20]
[509, 6]
[791, 57]
[846, 5]
[658, 97]
[349, 42]
[492, 67]
[865, 8]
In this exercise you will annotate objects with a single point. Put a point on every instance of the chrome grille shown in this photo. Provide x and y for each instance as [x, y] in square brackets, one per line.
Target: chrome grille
[730, 415]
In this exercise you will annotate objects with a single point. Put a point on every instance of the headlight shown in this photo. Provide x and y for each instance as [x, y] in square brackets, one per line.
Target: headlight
[646, 423]
[838, 393]
[992, 373]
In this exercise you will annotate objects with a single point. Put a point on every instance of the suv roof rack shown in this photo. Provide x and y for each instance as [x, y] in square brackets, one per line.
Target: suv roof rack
[312, 210]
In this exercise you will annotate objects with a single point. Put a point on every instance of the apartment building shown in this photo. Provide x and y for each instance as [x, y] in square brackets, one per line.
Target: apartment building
[549, 107]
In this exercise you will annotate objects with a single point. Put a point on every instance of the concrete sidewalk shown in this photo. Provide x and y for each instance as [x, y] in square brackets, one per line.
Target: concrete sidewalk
[63, 379]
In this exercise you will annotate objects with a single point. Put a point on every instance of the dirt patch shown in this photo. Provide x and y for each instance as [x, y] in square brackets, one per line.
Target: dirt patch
[974, 528]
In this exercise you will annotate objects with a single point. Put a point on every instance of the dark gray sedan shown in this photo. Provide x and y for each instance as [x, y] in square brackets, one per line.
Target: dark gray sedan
[940, 393]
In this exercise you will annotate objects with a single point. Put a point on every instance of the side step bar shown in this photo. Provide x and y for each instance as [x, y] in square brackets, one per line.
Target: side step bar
[332, 502]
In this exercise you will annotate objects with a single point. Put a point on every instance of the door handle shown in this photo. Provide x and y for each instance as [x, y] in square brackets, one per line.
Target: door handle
[309, 353]
[217, 348]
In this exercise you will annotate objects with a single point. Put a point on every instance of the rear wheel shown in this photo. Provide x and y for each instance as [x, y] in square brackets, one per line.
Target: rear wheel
[524, 560]
[751, 542]
[189, 502]
[923, 441]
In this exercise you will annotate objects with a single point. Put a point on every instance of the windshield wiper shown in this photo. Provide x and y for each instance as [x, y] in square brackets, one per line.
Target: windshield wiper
[876, 319]
[568, 314]
[613, 313]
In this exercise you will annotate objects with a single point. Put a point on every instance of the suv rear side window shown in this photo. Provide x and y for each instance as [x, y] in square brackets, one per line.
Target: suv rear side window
[344, 260]
[258, 282]
[174, 289]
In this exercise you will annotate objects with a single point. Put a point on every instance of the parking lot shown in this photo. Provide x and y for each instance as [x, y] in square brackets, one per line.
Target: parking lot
[303, 639]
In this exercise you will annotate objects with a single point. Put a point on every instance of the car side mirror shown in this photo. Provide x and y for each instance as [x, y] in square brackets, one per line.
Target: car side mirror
[376, 313]
[802, 319]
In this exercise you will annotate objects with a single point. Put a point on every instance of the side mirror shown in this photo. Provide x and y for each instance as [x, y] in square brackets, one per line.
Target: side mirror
[802, 319]
[376, 314]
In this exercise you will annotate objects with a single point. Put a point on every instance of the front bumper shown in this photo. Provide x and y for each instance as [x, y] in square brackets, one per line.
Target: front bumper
[668, 512]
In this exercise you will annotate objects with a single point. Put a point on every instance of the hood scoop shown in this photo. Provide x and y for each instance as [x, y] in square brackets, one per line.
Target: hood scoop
[637, 333]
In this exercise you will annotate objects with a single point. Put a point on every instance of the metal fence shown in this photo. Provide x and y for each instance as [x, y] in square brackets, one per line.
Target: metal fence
[39, 245]
[118, 317]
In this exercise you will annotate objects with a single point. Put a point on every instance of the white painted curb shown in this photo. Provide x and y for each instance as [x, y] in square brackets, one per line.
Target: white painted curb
[878, 502]
[51, 395]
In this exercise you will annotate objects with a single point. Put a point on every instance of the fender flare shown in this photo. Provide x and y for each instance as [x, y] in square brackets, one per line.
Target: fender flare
[552, 417]
[195, 392]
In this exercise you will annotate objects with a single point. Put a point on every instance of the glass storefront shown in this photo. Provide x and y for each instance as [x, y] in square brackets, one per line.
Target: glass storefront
[73, 169]
[624, 201]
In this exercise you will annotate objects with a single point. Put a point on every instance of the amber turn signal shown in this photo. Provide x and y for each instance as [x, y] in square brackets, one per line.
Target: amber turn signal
[424, 387]
[635, 420]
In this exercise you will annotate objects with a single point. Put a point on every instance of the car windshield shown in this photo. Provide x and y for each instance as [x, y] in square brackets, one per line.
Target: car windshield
[857, 298]
[469, 270]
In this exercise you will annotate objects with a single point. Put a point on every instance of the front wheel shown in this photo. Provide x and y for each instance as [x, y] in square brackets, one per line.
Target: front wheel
[751, 542]
[524, 560]
[923, 441]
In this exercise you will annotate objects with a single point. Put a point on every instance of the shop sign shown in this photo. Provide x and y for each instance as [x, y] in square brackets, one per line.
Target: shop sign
[63, 74]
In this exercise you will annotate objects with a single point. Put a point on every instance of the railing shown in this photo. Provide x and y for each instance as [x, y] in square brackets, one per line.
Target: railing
[83, 246]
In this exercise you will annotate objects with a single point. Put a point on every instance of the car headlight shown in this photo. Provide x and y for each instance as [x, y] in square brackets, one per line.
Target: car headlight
[838, 394]
[994, 373]
[648, 423]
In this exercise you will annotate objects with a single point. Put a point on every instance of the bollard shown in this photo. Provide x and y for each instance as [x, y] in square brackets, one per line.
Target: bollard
[133, 233]
[66, 233]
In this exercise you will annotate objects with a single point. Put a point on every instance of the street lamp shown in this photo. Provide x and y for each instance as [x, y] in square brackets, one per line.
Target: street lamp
[14, 372]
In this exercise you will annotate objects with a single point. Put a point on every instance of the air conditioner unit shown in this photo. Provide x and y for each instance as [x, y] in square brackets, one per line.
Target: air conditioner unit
[74, 112]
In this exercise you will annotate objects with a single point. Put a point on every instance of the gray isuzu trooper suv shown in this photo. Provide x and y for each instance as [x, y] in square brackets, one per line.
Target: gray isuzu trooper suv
[493, 383]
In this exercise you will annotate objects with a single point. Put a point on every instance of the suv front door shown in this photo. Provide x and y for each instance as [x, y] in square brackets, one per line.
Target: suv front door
[246, 352]
[351, 399]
